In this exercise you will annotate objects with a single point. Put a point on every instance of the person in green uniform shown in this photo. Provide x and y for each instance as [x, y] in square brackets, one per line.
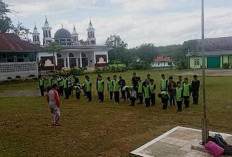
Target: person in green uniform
[100, 88]
[71, 81]
[164, 98]
[147, 93]
[163, 83]
[60, 82]
[66, 87]
[116, 89]
[50, 82]
[110, 88]
[88, 88]
[181, 81]
[41, 85]
[179, 96]
[152, 90]
[186, 92]
[140, 90]
[77, 88]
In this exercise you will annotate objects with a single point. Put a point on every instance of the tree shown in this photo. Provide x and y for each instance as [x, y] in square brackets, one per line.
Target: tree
[53, 48]
[118, 48]
[5, 22]
[21, 31]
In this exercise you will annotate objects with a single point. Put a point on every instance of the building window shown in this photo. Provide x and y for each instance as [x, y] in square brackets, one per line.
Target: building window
[59, 55]
[71, 55]
[197, 61]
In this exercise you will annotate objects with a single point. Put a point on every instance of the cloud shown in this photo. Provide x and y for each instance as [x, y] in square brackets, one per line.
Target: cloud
[28, 7]
[161, 22]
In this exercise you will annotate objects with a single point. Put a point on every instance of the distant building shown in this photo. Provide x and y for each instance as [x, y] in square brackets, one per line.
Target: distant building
[74, 53]
[162, 62]
[218, 52]
[18, 58]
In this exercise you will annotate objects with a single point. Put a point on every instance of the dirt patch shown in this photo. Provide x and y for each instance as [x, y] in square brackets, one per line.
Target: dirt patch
[221, 72]
[20, 93]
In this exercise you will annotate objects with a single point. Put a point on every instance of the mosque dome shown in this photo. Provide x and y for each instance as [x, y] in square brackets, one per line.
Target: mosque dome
[62, 34]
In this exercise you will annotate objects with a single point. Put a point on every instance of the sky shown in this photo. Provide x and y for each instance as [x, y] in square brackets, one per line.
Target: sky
[162, 22]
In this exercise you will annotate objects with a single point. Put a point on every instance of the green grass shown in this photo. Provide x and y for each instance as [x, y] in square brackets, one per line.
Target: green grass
[94, 129]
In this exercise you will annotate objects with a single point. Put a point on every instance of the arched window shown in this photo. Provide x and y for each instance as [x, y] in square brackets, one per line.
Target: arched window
[71, 55]
[83, 55]
[59, 55]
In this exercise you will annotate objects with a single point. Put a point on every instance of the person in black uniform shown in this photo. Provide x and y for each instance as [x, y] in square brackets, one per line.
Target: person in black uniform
[195, 89]
[122, 84]
[135, 81]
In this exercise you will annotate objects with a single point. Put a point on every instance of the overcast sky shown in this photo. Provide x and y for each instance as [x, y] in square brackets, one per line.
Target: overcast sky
[161, 22]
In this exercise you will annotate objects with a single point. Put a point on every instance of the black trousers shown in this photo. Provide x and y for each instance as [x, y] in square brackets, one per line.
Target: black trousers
[111, 95]
[153, 99]
[140, 96]
[165, 103]
[123, 95]
[186, 101]
[60, 90]
[132, 101]
[78, 95]
[147, 101]
[66, 92]
[41, 90]
[128, 96]
[70, 90]
[116, 97]
[172, 98]
[195, 97]
[179, 106]
[89, 96]
[101, 96]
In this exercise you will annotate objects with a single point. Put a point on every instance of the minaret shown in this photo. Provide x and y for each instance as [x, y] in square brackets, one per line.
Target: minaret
[91, 35]
[46, 33]
[75, 36]
[35, 36]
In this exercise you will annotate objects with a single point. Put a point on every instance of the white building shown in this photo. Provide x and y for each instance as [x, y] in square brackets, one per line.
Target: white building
[162, 62]
[74, 53]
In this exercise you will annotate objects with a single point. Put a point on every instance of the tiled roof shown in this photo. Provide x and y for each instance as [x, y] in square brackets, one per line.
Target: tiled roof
[162, 59]
[11, 42]
[212, 44]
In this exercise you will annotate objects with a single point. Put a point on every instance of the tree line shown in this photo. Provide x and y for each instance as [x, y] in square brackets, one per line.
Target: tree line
[142, 56]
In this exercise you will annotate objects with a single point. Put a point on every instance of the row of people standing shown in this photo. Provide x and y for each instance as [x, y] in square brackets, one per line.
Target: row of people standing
[140, 90]
[179, 91]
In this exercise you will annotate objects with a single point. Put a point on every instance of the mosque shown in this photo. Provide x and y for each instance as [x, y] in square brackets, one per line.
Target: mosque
[74, 53]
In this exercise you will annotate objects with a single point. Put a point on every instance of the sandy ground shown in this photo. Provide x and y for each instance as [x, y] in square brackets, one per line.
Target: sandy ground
[208, 73]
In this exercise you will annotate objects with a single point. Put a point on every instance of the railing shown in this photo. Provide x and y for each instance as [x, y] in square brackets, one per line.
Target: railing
[18, 67]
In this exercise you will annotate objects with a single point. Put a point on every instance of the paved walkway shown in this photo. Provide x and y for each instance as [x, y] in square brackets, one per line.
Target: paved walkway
[221, 72]
[177, 143]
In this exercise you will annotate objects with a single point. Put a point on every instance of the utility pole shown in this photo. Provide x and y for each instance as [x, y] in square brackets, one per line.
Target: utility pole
[205, 121]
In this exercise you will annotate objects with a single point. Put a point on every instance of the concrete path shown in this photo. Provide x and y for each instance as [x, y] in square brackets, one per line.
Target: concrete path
[177, 142]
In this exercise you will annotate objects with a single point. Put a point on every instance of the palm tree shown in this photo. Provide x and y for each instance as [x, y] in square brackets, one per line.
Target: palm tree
[53, 48]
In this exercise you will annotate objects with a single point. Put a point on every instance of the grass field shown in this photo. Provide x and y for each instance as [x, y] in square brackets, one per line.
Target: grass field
[94, 129]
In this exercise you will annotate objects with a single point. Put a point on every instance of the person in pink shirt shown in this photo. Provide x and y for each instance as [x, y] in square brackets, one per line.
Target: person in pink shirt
[54, 105]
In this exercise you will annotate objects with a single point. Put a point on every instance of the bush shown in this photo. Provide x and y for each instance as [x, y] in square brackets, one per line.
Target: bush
[181, 65]
[110, 69]
[77, 72]
[225, 66]
[142, 65]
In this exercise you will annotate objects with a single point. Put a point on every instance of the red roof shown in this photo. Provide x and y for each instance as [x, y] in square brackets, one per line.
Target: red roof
[11, 42]
[162, 59]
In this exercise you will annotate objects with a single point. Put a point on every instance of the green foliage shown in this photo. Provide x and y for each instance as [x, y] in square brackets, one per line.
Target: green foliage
[5, 24]
[226, 66]
[181, 64]
[142, 65]
[112, 69]
[77, 71]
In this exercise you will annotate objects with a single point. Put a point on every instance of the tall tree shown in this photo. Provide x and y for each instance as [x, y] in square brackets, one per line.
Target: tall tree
[118, 48]
[53, 48]
[5, 21]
